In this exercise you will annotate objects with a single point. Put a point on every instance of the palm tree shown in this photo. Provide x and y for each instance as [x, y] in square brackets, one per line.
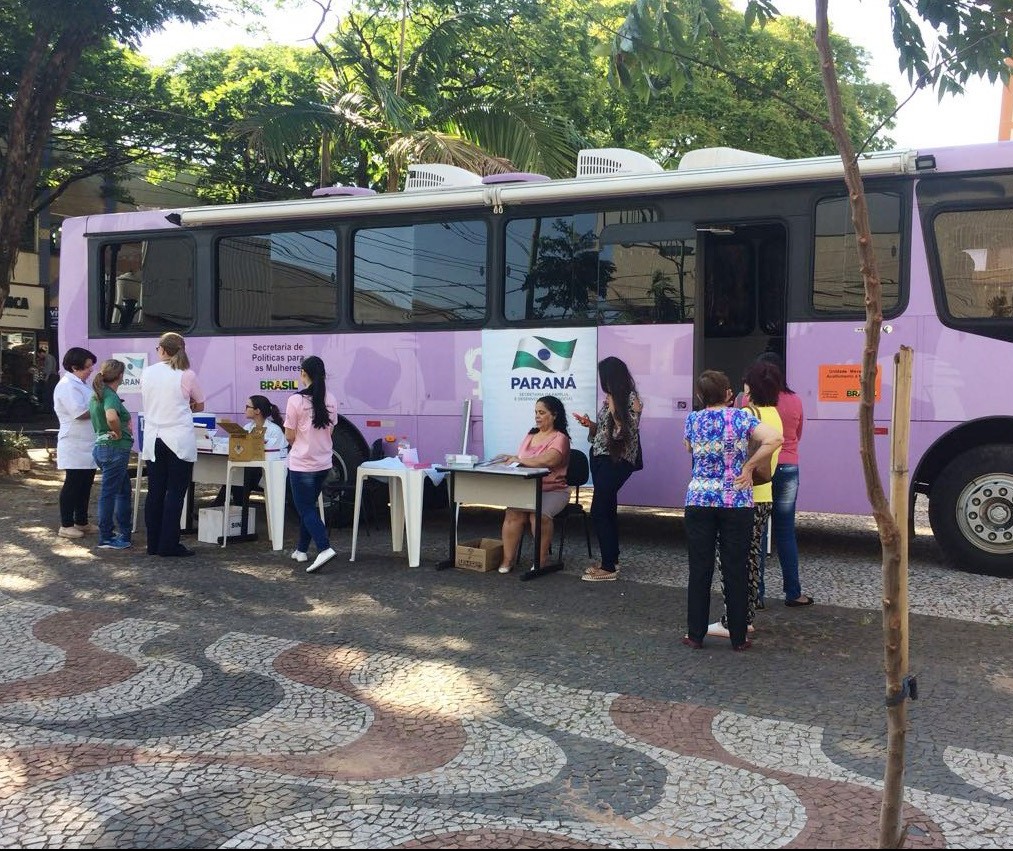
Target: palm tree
[402, 93]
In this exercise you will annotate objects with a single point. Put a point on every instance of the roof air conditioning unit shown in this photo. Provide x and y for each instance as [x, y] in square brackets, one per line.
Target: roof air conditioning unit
[428, 176]
[337, 190]
[603, 162]
[722, 158]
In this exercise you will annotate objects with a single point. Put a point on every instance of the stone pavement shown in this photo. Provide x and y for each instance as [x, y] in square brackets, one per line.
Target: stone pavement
[232, 700]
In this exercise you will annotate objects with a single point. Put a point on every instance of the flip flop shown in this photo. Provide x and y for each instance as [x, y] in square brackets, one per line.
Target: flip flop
[805, 601]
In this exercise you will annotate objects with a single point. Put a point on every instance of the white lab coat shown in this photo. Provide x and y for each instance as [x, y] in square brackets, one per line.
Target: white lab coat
[76, 438]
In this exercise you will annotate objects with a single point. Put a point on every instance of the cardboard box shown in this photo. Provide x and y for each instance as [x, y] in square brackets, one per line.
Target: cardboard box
[244, 445]
[481, 555]
[209, 523]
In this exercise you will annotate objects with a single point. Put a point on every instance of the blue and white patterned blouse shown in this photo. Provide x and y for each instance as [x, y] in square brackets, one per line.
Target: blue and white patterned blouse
[719, 442]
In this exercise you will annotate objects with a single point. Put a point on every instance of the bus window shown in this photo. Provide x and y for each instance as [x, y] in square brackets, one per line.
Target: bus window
[426, 273]
[147, 285]
[837, 280]
[976, 257]
[558, 269]
[277, 280]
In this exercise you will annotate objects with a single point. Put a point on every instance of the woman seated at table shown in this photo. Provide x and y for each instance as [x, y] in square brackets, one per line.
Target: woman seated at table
[261, 413]
[546, 445]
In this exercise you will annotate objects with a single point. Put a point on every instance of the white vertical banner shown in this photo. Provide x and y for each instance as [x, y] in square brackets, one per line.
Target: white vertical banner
[519, 366]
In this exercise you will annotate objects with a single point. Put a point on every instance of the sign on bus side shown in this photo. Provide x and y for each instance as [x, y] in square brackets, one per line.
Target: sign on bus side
[842, 382]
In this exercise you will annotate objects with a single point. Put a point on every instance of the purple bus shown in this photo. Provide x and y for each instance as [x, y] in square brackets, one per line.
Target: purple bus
[731, 255]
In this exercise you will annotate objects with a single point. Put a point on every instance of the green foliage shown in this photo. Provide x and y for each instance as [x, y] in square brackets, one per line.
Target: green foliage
[206, 94]
[724, 82]
[13, 444]
[973, 38]
[388, 103]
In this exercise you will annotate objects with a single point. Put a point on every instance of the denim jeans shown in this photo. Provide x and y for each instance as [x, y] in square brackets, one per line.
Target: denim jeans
[785, 484]
[114, 499]
[706, 529]
[608, 477]
[305, 489]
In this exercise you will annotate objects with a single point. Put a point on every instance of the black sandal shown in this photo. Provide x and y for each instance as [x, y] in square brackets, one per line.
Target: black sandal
[805, 600]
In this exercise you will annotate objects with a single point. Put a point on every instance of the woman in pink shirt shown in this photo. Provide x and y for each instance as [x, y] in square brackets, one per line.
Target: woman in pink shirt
[310, 416]
[546, 445]
[785, 490]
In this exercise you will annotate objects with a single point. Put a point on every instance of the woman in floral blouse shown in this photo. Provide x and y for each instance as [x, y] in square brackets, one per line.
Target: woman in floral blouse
[615, 455]
[719, 504]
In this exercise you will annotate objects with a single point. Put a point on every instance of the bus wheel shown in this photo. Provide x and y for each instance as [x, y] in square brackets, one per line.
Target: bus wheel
[347, 453]
[971, 510]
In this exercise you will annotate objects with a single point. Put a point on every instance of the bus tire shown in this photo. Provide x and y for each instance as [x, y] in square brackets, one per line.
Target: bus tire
[348, 451]
[971, 510]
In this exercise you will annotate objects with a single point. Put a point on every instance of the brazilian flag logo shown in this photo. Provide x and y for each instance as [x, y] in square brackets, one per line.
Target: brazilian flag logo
[545, 355]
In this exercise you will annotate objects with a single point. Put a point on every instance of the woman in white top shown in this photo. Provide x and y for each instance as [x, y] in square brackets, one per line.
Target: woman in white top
[75, 442]
[262, 413]
[170, 395]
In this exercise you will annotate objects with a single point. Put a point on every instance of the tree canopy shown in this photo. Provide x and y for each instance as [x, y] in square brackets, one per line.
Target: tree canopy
[43, 43]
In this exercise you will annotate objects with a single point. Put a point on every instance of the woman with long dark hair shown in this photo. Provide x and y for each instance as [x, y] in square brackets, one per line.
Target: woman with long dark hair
[171, 396]
[545, 445]
[615, 455]
[310, 417]
[785, 490]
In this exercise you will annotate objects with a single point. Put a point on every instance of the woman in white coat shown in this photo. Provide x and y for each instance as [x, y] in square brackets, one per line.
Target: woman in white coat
[75, 442]
[171, 395]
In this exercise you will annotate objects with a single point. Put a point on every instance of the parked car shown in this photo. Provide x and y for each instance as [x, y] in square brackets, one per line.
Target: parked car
[17, 405]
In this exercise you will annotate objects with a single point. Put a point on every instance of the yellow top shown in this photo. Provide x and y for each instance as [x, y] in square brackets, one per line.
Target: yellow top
[769, 416]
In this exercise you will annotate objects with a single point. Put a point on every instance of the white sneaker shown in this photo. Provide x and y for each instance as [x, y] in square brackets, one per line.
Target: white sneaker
[504, 568]
[321, 559]
[70, 532]
[299, 555]
[721, 632]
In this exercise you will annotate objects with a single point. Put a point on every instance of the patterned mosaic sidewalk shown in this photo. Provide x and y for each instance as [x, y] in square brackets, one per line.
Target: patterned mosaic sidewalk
[132, 734]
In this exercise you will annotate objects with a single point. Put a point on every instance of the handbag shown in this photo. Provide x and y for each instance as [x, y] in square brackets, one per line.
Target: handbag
[762, 473]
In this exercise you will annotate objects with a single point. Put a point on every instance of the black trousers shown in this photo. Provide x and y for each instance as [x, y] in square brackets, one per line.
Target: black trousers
[706, 530]
[74, 496]
[168, 480]
[608, 477]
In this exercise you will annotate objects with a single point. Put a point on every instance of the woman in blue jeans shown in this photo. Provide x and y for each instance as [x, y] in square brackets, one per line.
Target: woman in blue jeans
[113, 440]
[310, 417]
[785, 492]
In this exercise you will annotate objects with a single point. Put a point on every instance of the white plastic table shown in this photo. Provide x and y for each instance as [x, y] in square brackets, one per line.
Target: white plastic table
[406, 485]
[275, 475]
[215, 468]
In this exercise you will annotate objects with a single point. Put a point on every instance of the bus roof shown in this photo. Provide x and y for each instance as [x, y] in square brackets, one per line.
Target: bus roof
[621, 186]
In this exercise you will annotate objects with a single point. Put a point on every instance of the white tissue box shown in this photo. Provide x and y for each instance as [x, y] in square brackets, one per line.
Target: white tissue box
[209, 523]
[460, 460]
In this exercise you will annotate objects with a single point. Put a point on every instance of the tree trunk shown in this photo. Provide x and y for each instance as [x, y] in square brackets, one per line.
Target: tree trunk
[43, 80]
[890, 832]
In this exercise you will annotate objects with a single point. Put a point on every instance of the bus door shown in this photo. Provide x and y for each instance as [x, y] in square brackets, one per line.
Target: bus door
[743, 296]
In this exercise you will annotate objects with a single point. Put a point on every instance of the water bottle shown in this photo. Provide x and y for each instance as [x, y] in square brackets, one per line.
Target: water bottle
[402, 449]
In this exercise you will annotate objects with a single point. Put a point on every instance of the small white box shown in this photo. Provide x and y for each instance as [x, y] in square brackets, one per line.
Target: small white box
[209, 523]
